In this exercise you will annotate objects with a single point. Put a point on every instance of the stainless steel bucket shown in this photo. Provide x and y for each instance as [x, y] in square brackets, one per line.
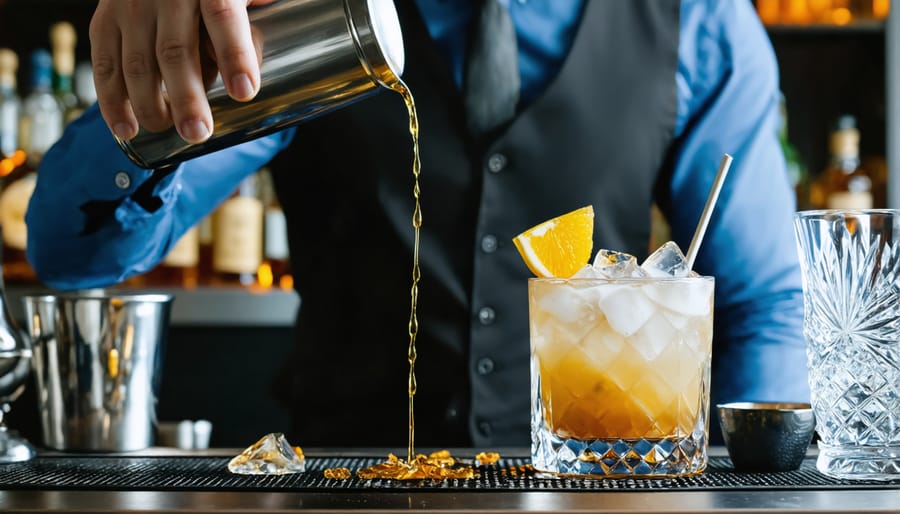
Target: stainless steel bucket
[97, 362]
[317, 56]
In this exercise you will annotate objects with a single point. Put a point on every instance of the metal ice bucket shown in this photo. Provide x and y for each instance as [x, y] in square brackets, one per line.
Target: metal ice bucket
[96, 360]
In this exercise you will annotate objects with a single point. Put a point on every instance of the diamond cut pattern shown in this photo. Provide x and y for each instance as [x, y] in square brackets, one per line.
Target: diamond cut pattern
[632, 457]
[851, 292]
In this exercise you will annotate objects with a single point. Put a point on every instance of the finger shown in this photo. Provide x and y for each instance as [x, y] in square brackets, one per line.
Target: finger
[228, 26]
[178, 53]
[141, 70]
[112, 95]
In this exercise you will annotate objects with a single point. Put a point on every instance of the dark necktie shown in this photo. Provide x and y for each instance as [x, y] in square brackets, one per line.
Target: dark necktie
[491, 81]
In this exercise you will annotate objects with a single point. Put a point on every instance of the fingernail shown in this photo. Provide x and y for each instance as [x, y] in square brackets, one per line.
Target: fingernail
[194, 131]
[123, 131]
[241, 87]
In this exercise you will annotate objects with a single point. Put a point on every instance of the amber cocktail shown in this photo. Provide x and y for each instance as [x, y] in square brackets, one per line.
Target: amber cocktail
[620, 375]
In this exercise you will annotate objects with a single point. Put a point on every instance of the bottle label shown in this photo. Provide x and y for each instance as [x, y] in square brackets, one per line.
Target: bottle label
[848, 200]
[13, 204]
[41, 129]
[186, 252]
[276, 239]
[237, 242]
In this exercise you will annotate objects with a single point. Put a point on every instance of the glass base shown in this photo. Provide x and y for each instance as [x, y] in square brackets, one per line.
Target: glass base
[859, 463]
[14, 448]
[605, 458]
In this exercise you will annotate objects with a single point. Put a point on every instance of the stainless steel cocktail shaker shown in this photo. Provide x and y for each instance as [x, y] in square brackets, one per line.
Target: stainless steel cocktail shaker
[318, 55]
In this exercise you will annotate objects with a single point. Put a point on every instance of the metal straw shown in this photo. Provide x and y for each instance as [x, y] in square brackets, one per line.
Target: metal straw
[707, 210]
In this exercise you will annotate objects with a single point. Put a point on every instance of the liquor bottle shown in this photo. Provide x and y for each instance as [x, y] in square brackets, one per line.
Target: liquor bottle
[841, 12]
[39, 127]
[180, 266]
[62, 40]
[237, 237]
[42, 117]
[797, 170]
[276, 267]
[84, 87]
[820, 11]
[769, 11]
[10, 106]
[795, 12]
[844, 184]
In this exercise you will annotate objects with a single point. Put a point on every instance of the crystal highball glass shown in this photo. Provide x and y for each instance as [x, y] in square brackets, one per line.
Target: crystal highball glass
[620, 375]
[851, 294]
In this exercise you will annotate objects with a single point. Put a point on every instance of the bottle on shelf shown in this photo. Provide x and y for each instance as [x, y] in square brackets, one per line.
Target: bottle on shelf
[180, 266]
[844, 184]
[41, 122]
[796, 12]
[237, 237]
[62, 41]
[828, 12]
[275, 269]
[10, 107]
[84, 87]
[40, 125]
[769, 11]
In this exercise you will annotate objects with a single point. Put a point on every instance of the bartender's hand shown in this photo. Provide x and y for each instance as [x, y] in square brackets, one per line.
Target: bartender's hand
[150, 60]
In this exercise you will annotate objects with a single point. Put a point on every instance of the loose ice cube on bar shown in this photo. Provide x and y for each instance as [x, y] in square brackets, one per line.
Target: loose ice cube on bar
[271, 455]
[666, 261]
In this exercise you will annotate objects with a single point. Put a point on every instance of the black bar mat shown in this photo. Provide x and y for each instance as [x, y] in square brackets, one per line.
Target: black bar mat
[211, 474]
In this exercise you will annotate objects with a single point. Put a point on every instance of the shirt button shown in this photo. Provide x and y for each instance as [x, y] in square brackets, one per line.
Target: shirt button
[123, 180]
[486, 315]
[485, 428]
[485, 366]
[489, 244]
[452, 413]
[496, 163]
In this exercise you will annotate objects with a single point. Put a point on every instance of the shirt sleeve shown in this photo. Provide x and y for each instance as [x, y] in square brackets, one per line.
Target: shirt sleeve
[95, 218]
[728, 103]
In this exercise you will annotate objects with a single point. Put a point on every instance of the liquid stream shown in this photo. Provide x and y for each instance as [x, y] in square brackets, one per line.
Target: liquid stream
[439, 465]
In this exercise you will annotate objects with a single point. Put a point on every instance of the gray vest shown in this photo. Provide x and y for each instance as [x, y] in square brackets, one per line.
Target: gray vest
[600, 134]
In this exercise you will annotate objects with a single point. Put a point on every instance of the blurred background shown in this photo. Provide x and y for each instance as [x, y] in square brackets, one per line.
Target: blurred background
[230, 275]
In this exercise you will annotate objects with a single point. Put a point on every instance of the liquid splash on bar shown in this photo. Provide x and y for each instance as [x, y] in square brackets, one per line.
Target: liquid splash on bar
[440, 465]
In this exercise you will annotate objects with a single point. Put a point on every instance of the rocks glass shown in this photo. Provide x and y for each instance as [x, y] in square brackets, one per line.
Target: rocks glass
[851, 292]
[620, 375]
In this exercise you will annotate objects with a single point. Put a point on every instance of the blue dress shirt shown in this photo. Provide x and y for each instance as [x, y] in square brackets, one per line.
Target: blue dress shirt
[727, 87]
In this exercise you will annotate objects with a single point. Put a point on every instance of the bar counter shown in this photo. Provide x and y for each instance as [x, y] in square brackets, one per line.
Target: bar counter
[409, 497]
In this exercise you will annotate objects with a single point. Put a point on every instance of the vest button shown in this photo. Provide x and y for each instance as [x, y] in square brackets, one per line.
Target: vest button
[485, 366]
[486, 316]
[489, 244]
[485, 428]
[496, 163]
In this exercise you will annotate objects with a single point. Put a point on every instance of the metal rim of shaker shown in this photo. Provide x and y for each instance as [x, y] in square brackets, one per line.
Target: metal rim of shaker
[372, 62]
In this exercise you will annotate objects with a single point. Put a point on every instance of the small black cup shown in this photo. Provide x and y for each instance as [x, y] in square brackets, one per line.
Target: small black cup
[763, 436]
